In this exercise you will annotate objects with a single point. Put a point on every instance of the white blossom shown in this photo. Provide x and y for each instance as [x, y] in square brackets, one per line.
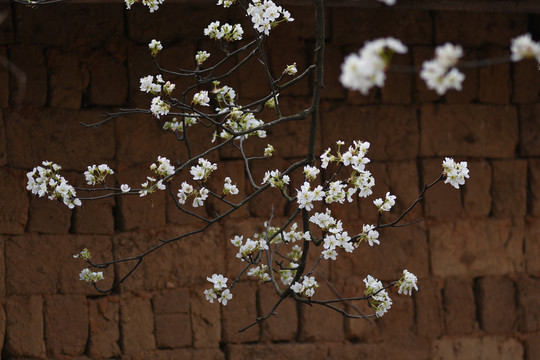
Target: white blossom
[440, 74]
[407, 283]
[524, 47]
[455, 173]
[155, 47]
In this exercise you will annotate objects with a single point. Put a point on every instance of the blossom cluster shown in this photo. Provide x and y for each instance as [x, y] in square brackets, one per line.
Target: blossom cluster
[265, 14]
[96, 174]
[229, 187]
[178, 126]
[455, 173]
[260, 272]
[523, 47]
[91, 276]
[219, 291]
[360, 181]
[306, 287]
[249, 248]
[378, 297]
[239, 121]
[386, 204]
[163, 167]
[203, 170]
[275, 179]
[226, 31]
[155, 47]
[440, 74]
[201, 57]
[45, 180]
[199, 195]
[152, 5]
[407, 283]
[363, 70]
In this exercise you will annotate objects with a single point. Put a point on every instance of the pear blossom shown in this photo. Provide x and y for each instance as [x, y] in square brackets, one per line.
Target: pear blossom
[440, 74]
[269, 151]
[96, 174]
[291, 69]
[203, 170]
[524, 47]
[201, 98]
[46, 180]
[370, 235]
[201, 57]
[386, 204]
[155, 47]
[407, 283]
[366, 69]
[229, 187]
[455, 173]
[90, 276]
[159, 107]
[275, 179]
[125, 188]
[311, 172]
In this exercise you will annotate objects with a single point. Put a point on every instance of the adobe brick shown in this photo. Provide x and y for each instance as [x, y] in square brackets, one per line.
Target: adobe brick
[14, 208]
[177, 264]
[28, 86]
[320, 323]
[278, 351]
[398, 85]
[470, 87]
[52, 269]
[470, 348]
[525, 91]
[529, 124]
[495, 83]
[4, 81]
[477, 190]
[3, 150]
[442, 201]
[66, 325]
[532, 245]
[448, 130]
[240, 312]
[68, 79]
[108, 80]
[69, 24]
[357, 25]
[7, 33]
[205, 319]
[509, 189]
[532, 347]
[24, 327]
[428, 306]
[404, 347]
[493, 294]
[459, 305]
[137, 324]
[34, 135]
[391, 130]
[403, 248]
[94, 217]
[528, 309]
[172, 319]
[533, 202]
[48, 217]
[333, 59]
[488, 28]
[2, 326]
[459, 247]
[104, 331]
[283, 326]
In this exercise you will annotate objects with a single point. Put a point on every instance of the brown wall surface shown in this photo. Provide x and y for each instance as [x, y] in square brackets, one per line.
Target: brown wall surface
[476, 253]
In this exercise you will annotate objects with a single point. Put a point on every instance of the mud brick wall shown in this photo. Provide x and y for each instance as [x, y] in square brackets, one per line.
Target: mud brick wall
[476, 253]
